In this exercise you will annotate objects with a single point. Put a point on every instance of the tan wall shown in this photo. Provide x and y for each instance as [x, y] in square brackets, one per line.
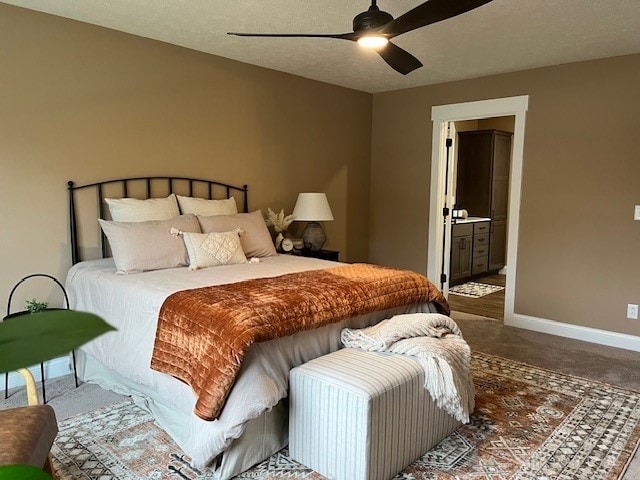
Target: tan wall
[578, 254]
[506, 124]
[466, 125]
[84, 103]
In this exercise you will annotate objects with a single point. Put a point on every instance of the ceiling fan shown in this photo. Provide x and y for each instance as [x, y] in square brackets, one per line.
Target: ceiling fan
[374, 28]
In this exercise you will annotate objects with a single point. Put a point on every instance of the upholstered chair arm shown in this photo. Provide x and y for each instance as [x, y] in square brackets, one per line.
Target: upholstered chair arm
[27, 433]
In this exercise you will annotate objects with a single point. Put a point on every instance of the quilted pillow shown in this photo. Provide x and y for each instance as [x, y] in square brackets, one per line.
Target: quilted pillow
[256, 240]
[135, 210]
[213, 249]
[143, 246]
[202, 206]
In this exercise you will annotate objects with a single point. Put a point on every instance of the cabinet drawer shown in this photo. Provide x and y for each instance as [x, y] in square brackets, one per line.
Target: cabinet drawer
[481, 227]
[462, 230]
[480, 250]
[479, 265]
[480, 240]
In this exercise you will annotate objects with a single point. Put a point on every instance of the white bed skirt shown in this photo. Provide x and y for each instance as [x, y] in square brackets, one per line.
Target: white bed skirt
[262, 437]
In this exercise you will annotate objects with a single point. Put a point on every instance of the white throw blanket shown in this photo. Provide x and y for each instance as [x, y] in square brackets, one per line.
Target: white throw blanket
[436, 342]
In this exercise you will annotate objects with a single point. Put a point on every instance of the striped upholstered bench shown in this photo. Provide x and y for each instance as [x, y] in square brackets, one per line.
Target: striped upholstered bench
[356, 415]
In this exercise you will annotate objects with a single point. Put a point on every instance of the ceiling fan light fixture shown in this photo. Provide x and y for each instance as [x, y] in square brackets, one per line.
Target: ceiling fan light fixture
[374, 28]
[373, 41]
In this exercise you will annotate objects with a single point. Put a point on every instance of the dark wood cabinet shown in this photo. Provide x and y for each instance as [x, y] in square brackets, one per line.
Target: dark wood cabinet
[480, 256]
[469, 251]
[482, 188]
[498, 245]
[461, 251]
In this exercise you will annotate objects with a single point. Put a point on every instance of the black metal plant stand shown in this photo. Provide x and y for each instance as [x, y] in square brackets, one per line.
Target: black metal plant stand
[11, 316]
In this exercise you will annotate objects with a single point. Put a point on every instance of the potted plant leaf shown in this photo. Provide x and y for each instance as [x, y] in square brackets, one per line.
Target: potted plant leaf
[38, 337]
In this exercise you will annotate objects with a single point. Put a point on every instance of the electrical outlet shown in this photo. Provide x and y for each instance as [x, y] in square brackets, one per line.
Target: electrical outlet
[636, 213]
[632, 311]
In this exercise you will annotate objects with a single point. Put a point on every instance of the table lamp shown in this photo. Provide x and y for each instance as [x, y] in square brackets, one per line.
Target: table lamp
[312, 208]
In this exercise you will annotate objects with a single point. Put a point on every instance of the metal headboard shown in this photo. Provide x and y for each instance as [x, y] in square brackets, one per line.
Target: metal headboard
[151, 185]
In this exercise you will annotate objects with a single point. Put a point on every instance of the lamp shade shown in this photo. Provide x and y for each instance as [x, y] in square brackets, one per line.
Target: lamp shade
[312, 207]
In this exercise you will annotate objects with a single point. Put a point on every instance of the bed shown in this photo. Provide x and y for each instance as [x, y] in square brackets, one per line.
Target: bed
[252, 425]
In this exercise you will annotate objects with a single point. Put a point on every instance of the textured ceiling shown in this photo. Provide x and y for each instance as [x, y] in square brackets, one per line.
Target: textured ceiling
[502, 36]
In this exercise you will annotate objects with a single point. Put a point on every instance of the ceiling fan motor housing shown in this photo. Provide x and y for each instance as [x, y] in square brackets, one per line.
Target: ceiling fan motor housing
[372, 18]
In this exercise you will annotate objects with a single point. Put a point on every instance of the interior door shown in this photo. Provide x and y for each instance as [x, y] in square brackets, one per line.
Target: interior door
[449, 149]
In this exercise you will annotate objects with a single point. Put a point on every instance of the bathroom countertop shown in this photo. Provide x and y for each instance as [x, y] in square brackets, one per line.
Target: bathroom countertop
[457, 221]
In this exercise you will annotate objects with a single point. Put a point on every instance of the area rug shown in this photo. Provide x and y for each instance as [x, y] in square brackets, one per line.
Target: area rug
[529, 423]
[475, 290]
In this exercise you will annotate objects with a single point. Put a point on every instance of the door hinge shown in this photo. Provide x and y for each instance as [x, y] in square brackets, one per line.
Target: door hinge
[443, 278]
[445, 212]
[449, 142]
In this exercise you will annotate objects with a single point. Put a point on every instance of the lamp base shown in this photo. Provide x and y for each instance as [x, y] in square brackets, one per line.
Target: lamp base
[313, 236]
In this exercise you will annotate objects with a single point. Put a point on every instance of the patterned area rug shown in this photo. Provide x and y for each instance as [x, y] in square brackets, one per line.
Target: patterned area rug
[475, 290]
[529, 423]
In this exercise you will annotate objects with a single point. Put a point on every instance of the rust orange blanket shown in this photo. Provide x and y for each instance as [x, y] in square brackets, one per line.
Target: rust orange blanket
[204, 333]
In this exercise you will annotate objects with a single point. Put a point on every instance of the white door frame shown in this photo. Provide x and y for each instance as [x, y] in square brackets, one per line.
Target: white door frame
[440, 115]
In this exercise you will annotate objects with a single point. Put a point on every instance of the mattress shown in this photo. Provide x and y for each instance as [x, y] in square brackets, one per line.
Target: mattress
[131, 303]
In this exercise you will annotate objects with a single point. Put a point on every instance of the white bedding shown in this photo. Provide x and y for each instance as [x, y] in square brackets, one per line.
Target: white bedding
[131, 303]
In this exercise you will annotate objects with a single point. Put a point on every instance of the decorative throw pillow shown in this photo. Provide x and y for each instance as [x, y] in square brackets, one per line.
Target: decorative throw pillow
[142, 246]
[213, 249]
[135, 210]
[206, 208]
[256, 239]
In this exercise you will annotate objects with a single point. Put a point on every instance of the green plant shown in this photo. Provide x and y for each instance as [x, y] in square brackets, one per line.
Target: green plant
[38, 337]
[45, 335]
[34, 306]
[22, 472]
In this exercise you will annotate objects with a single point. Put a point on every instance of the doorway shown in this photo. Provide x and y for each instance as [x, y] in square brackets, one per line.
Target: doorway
[481, 163]
[442, 188]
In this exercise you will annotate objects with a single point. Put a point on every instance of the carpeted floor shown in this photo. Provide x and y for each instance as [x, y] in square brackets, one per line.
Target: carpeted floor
[65, 399]
[609, 365]
[528, 423]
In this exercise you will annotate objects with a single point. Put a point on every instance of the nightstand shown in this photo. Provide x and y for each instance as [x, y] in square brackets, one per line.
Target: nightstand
[333, 255]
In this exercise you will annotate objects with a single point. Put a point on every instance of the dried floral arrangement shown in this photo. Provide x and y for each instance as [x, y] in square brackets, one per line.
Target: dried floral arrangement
[279, 221]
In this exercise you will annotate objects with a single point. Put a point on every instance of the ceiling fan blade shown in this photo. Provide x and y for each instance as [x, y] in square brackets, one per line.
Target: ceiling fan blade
[431, 11]
[398, 59]
[340, 36]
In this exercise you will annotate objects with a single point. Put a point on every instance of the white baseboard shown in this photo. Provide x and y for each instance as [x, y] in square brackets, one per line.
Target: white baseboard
[57, 367]
[577, 332]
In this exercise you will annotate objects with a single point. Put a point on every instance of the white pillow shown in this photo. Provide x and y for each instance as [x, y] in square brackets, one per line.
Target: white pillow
[206, 208]
[142, 246]
[135, 210]
[213, 249]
